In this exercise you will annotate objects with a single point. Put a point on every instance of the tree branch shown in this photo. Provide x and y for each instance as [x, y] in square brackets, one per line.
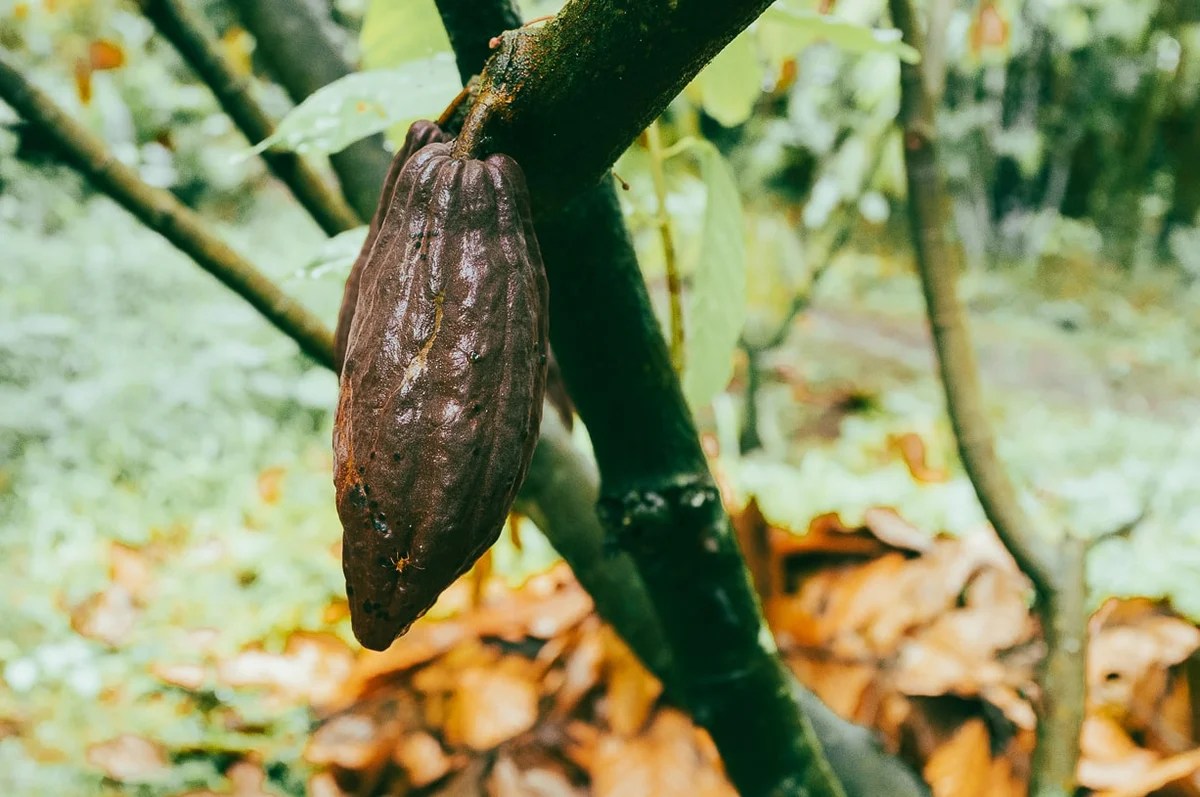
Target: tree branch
[659, 503]
[939, 262]
[1059, 580]
[163, 213]
[566, 98]
[187, 34]
[297, 42]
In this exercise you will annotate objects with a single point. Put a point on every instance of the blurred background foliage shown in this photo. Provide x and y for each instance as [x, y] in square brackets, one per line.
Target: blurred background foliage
[144, 407]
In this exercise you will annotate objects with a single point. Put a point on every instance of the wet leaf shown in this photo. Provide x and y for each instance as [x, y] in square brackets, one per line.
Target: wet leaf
[364, 103]
[732, 82]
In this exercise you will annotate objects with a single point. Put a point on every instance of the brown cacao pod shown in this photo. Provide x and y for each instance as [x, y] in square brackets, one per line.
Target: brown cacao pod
[421, 132]
[442, 386]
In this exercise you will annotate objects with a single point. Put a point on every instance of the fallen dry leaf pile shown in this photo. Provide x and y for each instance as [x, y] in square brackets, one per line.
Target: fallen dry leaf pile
[526, 692]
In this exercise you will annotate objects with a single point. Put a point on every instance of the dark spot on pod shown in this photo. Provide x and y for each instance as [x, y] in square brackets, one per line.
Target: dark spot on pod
[474, 356]
[396, 457]
[379, 525]
[371, 455]
[476, 408]
[372, 505]
[362, 470]
[366, 489]
[358, 498]
[349, 591]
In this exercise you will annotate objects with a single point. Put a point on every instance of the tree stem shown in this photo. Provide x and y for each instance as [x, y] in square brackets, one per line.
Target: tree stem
[1057, 576]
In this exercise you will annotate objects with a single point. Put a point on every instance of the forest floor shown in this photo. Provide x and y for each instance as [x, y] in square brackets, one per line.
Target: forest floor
[177, 624]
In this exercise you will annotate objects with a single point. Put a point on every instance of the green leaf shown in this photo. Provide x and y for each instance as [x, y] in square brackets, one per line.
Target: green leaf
[396, 33]
[364, 103]
[809, 26]
[336, 255]
[732, 83]
[715, 303]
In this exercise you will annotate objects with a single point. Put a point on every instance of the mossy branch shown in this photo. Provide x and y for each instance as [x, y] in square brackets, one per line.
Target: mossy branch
[567, 97]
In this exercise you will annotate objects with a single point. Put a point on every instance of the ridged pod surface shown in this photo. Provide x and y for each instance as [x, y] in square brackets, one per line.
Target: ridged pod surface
[421, 132]
[442, 385]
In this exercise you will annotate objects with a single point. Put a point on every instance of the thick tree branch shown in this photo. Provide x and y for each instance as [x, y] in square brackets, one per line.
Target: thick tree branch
[559, 495]
[471, 26]
[163, 213]
[186, 32]
[659, 503]
[1059, 580]
[566, 98]
[298, 43]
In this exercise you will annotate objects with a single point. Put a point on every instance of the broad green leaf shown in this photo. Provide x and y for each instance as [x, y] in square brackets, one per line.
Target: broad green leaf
[336, 255]
[809, 26]
[715, 303]
[730, 85]
[364, 103]
[395, 33]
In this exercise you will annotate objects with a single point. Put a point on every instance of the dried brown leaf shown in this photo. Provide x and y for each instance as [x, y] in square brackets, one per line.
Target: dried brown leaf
[490, 706]
[422, 758]
[632, 690]
[1109, 759]
[311, 668]
[109, 616]
[666, 761]
[961, 767]
[128, 758]
[508, 780]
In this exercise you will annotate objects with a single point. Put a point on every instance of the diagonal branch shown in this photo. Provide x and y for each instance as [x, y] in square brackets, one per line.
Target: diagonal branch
[163, 213]
[186, 32]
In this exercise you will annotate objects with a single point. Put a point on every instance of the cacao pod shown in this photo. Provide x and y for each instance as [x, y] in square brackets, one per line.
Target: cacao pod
[442, 386]
[421, 132]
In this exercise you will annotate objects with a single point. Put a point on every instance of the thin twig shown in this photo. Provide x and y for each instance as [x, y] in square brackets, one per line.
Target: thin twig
[163, 213]
[187, 34]
[670, 262]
